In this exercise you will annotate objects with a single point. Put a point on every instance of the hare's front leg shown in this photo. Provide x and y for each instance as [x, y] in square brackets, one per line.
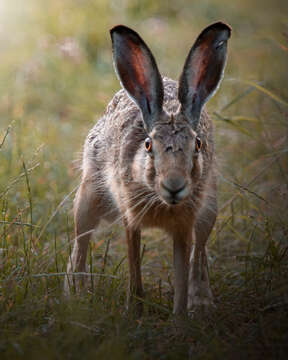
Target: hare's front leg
[86, 219]
[182, 246]
[133, 237]
[199, 291]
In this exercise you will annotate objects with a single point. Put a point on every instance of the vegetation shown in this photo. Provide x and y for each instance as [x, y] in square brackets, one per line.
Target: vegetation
[56, 80]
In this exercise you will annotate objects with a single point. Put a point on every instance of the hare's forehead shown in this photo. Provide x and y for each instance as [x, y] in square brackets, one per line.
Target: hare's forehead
[172, 133]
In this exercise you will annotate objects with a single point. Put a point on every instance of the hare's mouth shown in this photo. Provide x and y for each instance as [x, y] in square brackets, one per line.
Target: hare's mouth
[174, 195]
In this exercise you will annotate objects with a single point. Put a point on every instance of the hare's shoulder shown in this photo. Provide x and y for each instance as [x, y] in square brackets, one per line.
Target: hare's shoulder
[118, 123]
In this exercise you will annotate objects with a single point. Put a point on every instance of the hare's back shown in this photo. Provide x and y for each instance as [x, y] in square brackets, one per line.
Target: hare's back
[120, 115]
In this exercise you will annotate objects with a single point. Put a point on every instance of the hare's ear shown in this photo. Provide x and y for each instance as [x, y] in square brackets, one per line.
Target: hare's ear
[203, 70]
[138, 72]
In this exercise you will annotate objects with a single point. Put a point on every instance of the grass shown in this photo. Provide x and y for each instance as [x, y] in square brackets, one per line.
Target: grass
[56, 79]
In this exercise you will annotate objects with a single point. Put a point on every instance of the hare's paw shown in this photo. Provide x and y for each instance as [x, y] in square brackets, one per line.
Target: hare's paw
[200, 298]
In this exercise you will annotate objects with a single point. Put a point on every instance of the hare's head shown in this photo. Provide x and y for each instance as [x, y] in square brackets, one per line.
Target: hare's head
[172, 149]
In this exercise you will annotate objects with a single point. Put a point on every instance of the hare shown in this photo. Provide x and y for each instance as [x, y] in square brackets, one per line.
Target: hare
[150, 161]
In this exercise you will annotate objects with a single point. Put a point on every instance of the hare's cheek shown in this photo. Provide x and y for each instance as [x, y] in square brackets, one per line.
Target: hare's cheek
[197, 168]
[150, 174]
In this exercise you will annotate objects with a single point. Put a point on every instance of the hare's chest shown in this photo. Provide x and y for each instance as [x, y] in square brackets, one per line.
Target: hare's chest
[161, 216]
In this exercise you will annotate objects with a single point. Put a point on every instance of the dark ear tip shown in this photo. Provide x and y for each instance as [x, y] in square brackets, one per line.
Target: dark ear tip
[118, 28]
[221, 26]
[122, 30]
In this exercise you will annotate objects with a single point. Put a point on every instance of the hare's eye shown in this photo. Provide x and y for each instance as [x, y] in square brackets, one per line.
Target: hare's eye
[198, 144]
[148, 144]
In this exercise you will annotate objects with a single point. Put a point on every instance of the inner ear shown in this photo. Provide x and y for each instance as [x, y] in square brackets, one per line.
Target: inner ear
[203, 70]
[133, 66]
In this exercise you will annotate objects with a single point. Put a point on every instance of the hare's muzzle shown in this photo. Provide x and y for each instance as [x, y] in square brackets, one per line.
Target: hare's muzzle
[173, 189]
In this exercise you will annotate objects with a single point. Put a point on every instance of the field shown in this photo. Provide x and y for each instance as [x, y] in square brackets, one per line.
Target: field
[56, 78]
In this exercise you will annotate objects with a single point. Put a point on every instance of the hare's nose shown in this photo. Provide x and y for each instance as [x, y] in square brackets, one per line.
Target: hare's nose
[174, 189]
[173, 185]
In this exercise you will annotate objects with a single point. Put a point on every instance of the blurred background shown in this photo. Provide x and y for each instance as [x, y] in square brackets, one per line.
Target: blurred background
[56, 79]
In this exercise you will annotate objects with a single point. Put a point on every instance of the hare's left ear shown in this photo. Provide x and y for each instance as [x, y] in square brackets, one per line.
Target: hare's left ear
[203, 70]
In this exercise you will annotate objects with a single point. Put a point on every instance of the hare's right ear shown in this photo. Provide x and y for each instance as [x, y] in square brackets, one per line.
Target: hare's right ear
[138, 72]
[203, 70]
